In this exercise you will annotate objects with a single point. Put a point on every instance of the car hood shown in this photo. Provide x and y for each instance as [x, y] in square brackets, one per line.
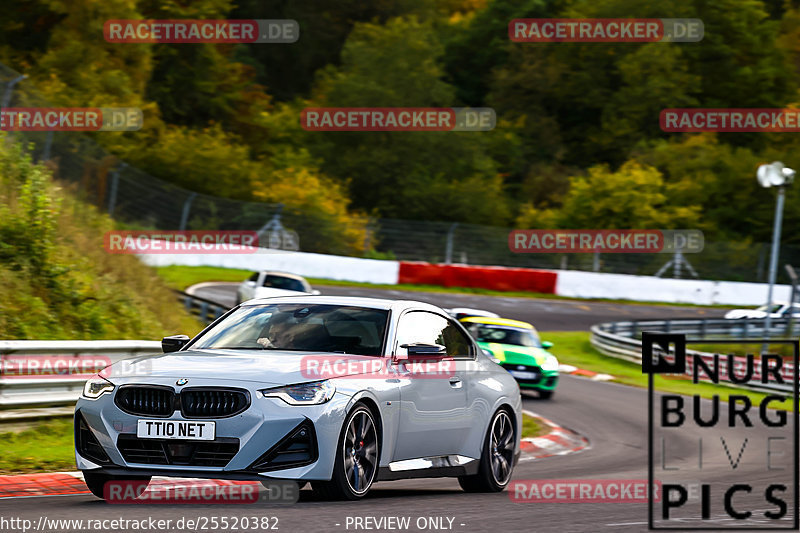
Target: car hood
[513, 354]
[270, 367]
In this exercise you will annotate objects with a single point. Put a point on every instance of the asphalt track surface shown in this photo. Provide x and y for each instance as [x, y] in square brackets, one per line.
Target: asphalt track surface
[613, 417]
[546, 315]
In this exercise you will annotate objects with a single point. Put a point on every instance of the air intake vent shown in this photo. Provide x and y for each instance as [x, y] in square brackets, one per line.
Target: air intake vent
[298, 448]
[216, 453]
[87, 443]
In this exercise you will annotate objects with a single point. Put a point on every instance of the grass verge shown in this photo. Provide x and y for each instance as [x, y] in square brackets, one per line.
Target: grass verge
[574, 348]
[45, 447]
[532, 427]
[181, 277]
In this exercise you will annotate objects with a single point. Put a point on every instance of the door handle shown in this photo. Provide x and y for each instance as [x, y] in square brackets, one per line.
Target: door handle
[455, 382]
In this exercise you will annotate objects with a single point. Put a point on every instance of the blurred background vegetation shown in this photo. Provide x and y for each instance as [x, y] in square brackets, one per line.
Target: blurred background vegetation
[223, 119]
[577, 144]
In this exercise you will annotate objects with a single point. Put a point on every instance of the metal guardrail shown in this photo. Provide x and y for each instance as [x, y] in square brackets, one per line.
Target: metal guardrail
[41, 373]
[52, 373]
[622, 340]
[206, 310]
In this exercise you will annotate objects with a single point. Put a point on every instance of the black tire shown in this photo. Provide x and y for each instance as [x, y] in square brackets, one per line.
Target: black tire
[498, 450]
[356, 465]
[546, 394]
[97, 481]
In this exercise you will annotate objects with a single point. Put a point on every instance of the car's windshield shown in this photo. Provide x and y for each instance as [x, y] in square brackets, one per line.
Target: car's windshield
[282, 282]
[300, 327]
[505, 335]
[775, 308]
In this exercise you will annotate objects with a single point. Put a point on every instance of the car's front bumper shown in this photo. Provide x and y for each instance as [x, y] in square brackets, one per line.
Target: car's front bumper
[258, 429]
[547, 380]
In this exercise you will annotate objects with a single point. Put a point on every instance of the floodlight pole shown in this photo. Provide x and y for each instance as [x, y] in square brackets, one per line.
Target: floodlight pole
[773, 260]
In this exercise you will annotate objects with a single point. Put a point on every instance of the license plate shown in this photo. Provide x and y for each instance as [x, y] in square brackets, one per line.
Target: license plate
[523, 375]
[175, 429]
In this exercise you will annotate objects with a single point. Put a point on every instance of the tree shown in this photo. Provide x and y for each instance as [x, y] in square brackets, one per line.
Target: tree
[424, 175]
[633, 197]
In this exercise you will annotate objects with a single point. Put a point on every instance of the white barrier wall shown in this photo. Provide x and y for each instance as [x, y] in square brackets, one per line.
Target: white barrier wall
[304, 264]
[571, 283]
[578, 284]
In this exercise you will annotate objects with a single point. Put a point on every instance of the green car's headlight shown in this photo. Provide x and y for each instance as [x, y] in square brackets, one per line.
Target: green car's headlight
[550, 363]
[313, 393]
[96, 386]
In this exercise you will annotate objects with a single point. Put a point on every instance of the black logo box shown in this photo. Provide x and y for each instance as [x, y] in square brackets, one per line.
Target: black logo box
[651, 342]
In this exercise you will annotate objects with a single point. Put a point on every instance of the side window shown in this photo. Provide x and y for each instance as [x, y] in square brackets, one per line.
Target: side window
[254, 277]
[422, 327]
[457, 342]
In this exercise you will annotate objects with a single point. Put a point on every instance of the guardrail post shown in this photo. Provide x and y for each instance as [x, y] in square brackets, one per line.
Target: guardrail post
[187, 302]
[203, 311]
[448, 249]
[703, 327]
[219, 312]
[667, 326]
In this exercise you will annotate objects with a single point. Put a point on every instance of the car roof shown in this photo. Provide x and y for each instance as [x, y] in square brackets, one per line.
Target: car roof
[351, 301]
[498, 322]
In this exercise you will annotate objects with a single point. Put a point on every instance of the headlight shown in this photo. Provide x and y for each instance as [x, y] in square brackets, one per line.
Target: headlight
[550, 363]
[96, 387]
[313, 393]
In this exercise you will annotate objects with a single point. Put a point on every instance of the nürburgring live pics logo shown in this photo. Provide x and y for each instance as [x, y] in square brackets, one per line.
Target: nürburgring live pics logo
[743, 451]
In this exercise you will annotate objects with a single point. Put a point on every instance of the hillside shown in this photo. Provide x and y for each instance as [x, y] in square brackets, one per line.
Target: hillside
[57, 280]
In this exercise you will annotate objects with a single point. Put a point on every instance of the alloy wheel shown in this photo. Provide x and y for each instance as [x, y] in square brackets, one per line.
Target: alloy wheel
[502, 448]
[360, 452]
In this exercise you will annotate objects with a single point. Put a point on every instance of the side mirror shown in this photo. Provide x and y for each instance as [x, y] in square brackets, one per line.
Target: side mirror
[425, 350]
[420, 352]
[173, 343]
[547, 345]
[315, 292]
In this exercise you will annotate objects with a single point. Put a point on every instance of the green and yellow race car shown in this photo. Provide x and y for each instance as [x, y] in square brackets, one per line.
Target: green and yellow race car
[516, 346]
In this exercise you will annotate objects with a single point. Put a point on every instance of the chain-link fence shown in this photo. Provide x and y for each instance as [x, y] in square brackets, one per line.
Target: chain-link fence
[139, 200]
